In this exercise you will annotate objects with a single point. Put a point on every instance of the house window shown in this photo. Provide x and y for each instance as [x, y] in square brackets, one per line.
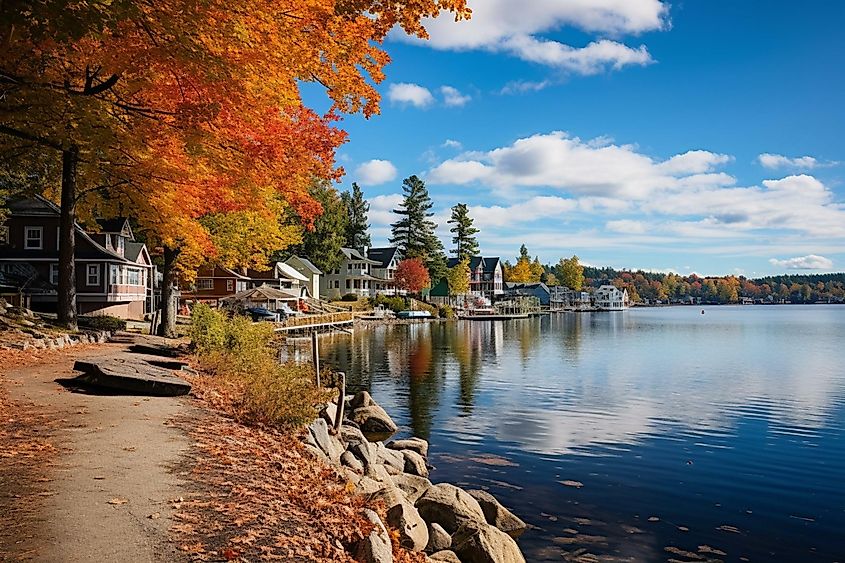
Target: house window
[33, 238]
[230, 285]
[347, 284]
[113, 275]
[349, 267]
[134, 277]
[54, 274]
[93, 277]
[205, 284]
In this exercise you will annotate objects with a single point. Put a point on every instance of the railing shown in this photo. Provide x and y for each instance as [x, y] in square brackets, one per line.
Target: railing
[309, 321]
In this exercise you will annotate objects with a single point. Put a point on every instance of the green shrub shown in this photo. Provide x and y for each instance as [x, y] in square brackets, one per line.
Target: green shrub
[260, 390]
[446, 312]
[208, 329]
[102, 322]
[349, 297]
[395, 304]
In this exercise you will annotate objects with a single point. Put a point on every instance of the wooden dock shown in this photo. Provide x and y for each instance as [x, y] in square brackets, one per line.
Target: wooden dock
[317, 323]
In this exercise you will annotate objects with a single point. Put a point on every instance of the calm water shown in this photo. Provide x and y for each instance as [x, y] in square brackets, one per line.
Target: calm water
[647, 435]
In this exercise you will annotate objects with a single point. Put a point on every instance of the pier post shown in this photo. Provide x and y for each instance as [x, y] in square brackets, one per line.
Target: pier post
[315, 354]
[341, 403]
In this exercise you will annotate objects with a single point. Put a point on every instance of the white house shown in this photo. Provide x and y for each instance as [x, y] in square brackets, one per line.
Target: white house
[311, 272]
[351, 276]
[611, 298]
[388, 259]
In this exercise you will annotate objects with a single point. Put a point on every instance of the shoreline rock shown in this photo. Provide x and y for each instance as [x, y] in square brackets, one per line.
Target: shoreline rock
[448, 523]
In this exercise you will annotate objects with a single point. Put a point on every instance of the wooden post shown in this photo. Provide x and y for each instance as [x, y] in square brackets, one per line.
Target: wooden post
[315, 354]
[341, 402]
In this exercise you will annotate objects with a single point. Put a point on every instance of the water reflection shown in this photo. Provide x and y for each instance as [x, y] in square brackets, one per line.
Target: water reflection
[664, 410]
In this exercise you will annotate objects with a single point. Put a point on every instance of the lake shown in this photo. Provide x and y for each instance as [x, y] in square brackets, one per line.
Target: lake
[644, 435]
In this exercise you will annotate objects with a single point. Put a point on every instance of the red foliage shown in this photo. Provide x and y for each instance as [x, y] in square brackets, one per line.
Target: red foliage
[412, 275]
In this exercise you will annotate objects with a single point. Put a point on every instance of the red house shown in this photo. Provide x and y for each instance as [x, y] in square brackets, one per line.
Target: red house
[114, 273]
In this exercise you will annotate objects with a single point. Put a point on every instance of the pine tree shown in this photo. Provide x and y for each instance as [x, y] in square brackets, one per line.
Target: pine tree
[466, 245]
[414, 233]
[322, 244]
[357, 226]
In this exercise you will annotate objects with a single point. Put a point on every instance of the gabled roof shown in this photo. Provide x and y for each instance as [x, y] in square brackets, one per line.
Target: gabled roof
[383, 255]
[86, 246]
[306, 263]
[352, 254]
[290, 272]
[118, 225]
[488, 265]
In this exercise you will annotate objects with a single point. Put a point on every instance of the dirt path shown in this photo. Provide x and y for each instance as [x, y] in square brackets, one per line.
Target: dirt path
[107, 493]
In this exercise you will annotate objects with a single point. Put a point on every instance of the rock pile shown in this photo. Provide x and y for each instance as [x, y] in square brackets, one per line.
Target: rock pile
[446, 522]
[23, 330]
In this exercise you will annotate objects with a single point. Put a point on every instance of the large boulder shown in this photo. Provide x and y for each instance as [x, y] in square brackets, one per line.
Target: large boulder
[390, 458]
[438, 539]
[377, 472]
[413, 486]
[329, 413]
[361, 399]
[474, 543]
[367, 486]
[330, 445]
[365, 451]
[497, 515]
[375, 548]
[413, 532]
[352, 462]
[373, 419]
[351, 434]
[414, 444]
[450, 507]
[414, 463]
[444, 556]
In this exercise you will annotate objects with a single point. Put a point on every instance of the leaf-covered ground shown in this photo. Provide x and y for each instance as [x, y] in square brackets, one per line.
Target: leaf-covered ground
[256, 494]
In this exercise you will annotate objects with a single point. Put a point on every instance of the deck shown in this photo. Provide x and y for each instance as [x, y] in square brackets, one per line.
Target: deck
[310, 323]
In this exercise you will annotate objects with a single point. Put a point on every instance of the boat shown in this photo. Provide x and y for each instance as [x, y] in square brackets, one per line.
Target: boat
[413, 315]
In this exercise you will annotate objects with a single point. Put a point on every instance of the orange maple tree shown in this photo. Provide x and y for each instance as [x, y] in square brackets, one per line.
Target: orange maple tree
[198, 99]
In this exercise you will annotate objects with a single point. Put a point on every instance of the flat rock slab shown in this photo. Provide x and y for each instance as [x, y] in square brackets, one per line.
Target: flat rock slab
[132, 376]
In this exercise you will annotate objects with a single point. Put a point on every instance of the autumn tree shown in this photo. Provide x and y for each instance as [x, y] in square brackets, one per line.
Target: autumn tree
[458, 278]
[466, 245]
[524, 271]
[412, 275]
[414, 232]
[93, 82]
[570, 273]
[357, 227]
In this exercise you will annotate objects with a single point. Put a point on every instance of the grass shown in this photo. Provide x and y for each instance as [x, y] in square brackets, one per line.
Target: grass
[246, 377]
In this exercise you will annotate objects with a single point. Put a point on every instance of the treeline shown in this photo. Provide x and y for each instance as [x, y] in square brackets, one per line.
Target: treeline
[645, 286]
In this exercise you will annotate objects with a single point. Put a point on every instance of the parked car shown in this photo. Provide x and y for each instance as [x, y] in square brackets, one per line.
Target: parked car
[262, 314]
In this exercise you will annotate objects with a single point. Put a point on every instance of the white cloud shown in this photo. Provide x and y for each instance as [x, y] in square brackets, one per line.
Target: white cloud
[522, 86]
[627, 226]
[381, 209]
[592, 59]
[410, 94]
[776, 161]
[809, 262]
[452, 97]
[593, 168]
[452, 144]
[374, 172]
[516, 27]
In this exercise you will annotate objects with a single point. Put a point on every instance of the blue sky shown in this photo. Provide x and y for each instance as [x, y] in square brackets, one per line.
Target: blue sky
[688, 136]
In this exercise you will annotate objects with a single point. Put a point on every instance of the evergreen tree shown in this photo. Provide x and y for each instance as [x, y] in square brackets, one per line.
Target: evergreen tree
[357, 226]
[322, 244]
[414, 233]
[466, 245]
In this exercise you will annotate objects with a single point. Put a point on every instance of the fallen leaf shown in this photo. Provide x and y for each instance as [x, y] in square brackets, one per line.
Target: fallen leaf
[154, 516]
[576, 484]
[117, 500]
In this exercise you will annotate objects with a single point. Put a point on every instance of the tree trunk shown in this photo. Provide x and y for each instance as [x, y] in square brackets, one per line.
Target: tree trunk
[167, 326]
[66, 306]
